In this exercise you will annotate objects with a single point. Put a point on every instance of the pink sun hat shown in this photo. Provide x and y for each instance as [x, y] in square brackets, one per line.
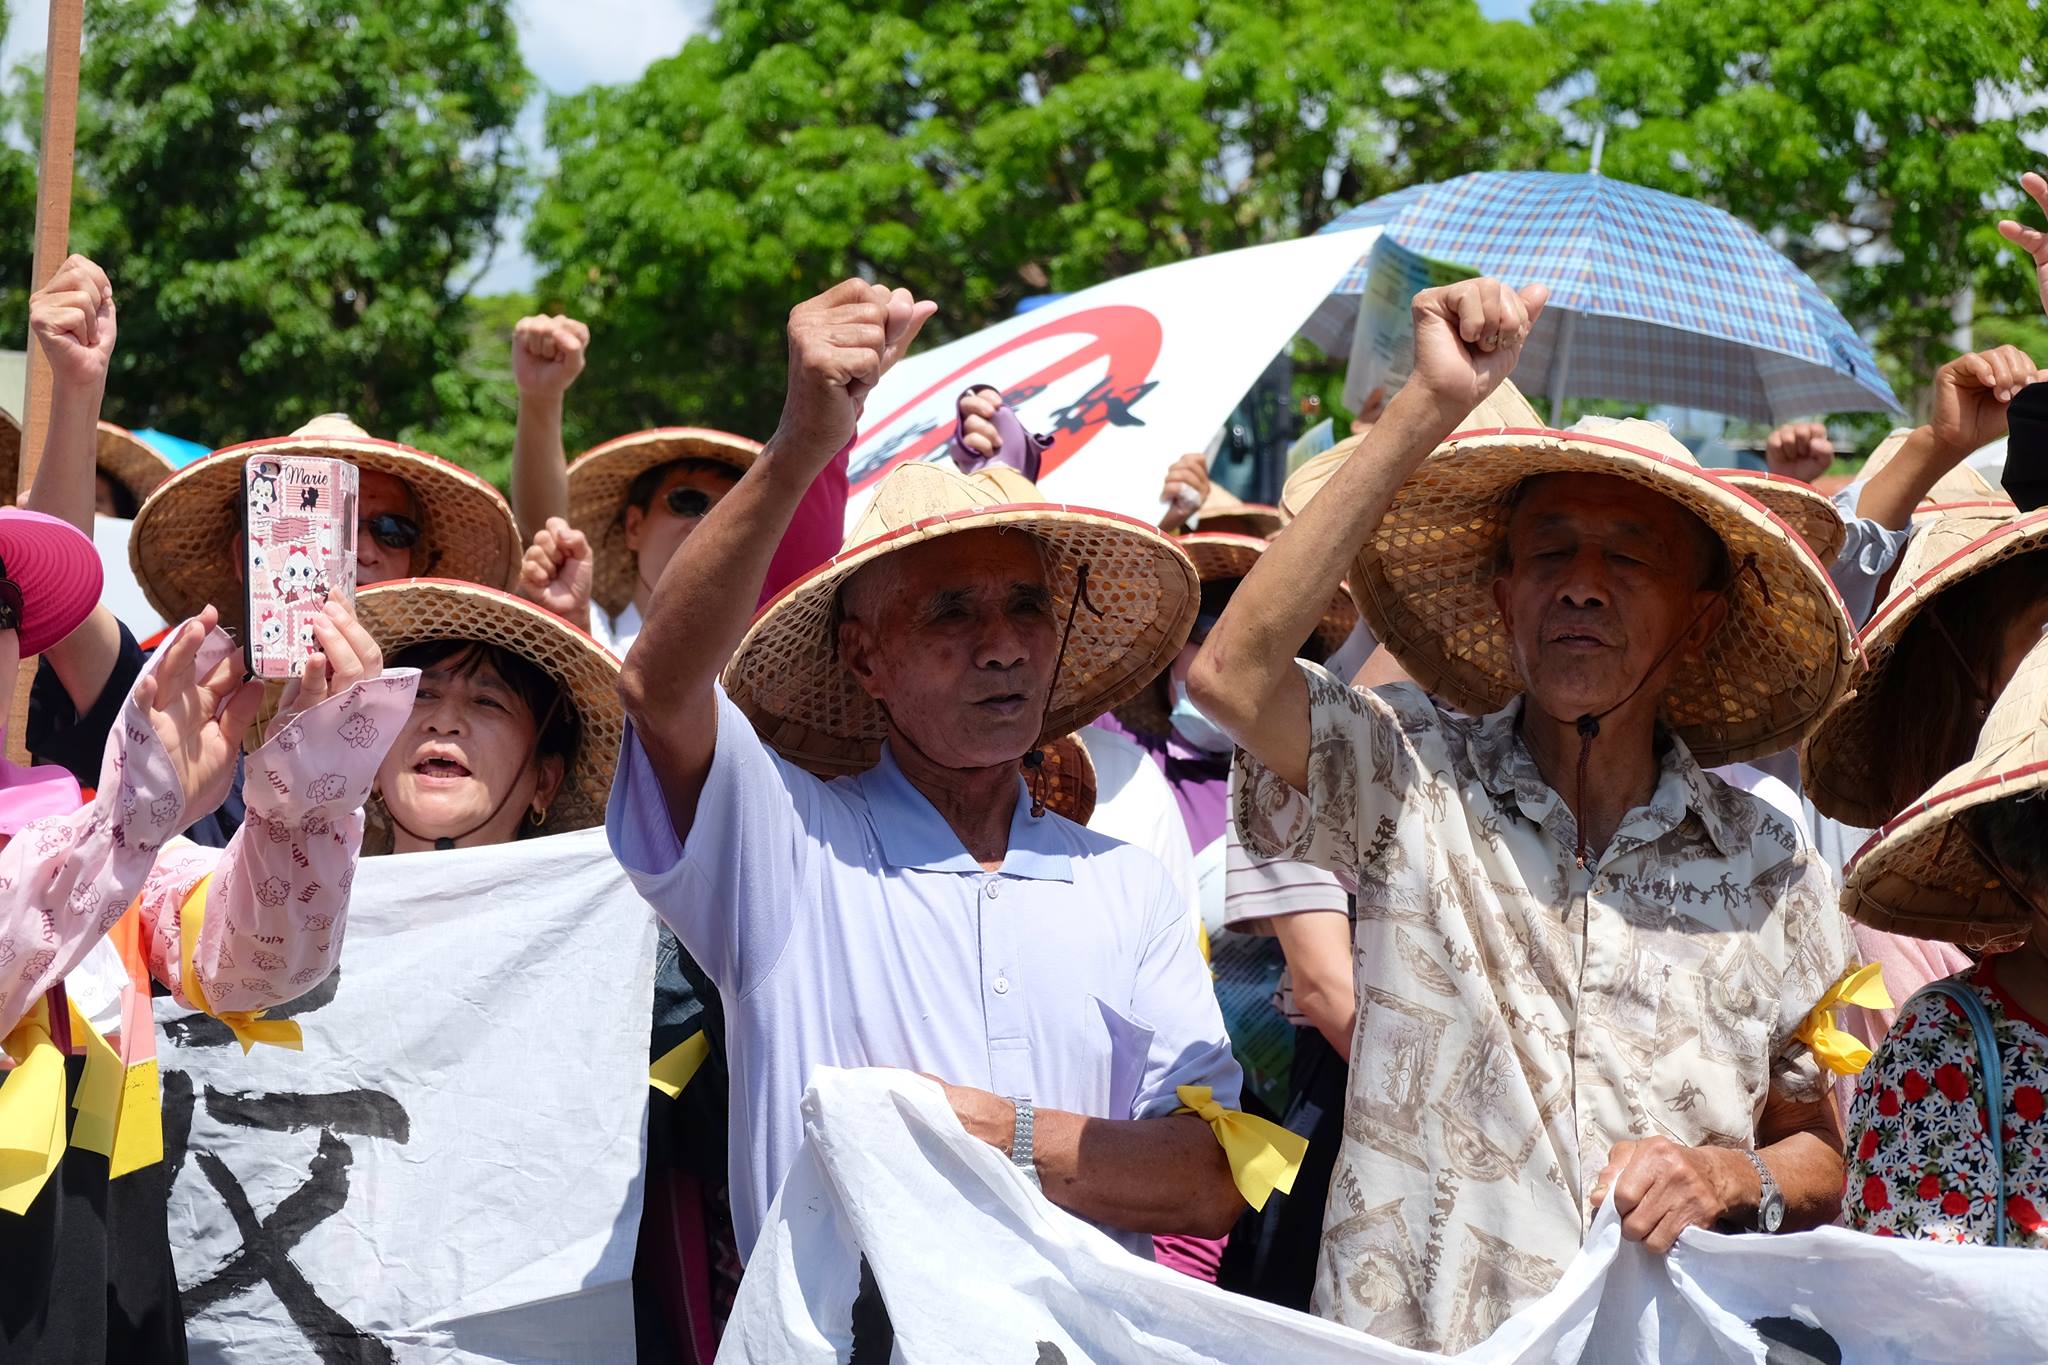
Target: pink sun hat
[56, 572]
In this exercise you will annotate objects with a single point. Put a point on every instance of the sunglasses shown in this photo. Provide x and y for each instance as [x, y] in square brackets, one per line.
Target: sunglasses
[687, 502]
[391, 531]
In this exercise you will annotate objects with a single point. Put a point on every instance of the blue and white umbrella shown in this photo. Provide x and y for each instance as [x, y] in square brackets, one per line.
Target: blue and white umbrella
[1654, 298]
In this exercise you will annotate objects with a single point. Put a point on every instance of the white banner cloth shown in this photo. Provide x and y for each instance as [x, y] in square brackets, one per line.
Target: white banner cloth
[451, 1169]
[974, 1264]
[1126, 376]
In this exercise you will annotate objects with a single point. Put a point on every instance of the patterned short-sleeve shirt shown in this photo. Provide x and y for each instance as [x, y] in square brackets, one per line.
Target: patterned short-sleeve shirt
[1919, 1146]
[1519, 1015]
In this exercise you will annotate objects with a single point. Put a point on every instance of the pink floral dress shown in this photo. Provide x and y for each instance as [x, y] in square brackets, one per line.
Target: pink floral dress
[1920, 1161]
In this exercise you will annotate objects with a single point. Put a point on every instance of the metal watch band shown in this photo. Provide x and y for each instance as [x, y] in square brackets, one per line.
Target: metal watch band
[1020, 1138]
[1770, 1203]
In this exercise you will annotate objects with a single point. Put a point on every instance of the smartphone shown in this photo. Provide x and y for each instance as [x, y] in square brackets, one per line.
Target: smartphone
[300, 551]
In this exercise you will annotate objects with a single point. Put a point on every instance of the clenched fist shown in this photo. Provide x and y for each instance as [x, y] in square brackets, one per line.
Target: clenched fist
[978, 408]
[1468, 337]
[1971, 394]
[841, 343]
[556, 573]
[548, 354]
[73, 319]
[1799, 450]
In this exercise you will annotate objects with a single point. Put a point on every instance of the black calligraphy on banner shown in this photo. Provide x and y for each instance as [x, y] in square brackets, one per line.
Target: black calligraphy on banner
[264, 1256]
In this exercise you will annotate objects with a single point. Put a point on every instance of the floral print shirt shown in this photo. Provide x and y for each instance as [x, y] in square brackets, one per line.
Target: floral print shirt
[1518, 1014]
[1919, 1145]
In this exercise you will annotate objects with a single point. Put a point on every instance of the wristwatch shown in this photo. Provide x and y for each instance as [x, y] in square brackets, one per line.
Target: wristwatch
[1770, 1205]
[1020, 1139]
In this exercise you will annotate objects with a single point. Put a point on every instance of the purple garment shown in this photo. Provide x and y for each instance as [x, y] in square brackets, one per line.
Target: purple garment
[1019, 449]
[1200, 781]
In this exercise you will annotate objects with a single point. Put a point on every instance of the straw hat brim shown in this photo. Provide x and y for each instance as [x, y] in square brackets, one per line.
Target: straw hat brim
[1840, 764]
[422, 610]
[599, 478]
[1920, 876]
[182, 546]
[1424, 581]
[1067, 778]
[787, 678]
[132, 462]
[1219, 556]
[1804, 508]
[1245, 519]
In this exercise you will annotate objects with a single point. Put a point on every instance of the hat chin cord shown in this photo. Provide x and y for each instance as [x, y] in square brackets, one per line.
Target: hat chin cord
[1035, 760]
[1589, 723]
[448, 841]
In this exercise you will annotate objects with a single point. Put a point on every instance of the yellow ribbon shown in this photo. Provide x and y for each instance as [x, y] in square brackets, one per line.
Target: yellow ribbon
[679, 1064]
[1841, 1052]
[1263, 1156]
[248, 1026]
[31, 1111]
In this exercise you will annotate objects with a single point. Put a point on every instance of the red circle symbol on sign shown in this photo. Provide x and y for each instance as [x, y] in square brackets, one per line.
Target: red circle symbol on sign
[1127, 336]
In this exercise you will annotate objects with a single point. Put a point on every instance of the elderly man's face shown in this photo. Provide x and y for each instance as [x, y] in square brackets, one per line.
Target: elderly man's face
[956, 638]
[1603, 575]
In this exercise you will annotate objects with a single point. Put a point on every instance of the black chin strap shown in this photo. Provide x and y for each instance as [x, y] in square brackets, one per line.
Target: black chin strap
[446, 842]
[1035, 760]
[1589, 724]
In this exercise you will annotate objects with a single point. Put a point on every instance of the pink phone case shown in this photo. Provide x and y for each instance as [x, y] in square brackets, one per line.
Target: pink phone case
[301, 539]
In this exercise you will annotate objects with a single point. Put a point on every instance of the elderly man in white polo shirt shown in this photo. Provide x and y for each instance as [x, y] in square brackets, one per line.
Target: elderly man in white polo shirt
[923, 911]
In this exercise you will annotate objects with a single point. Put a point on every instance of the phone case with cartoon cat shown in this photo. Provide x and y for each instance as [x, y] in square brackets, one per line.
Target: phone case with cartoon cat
[300, 539]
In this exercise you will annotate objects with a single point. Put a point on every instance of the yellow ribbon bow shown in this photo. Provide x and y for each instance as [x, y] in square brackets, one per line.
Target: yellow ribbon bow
[679, 1064]
[1263, 1156]
[31, 1111]
[248, 1026]
[1841, 1052]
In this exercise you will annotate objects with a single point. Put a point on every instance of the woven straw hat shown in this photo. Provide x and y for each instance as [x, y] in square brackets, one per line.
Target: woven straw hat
[599, 478]
[1840, 765]
[1921, 875]
[1799, 505]
[122, 456]
[421, 610]
[182, 546]
[1066, 780]
[1224, 511]
[1503, 409]
[786, 675]
[1219, 557]
[1961, 489]
[1424, 581]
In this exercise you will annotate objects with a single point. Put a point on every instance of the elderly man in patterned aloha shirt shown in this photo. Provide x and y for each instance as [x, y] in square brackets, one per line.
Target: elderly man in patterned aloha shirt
[1588, 969]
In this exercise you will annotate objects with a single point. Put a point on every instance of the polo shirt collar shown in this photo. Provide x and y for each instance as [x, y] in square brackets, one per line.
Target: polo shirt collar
[913, 834]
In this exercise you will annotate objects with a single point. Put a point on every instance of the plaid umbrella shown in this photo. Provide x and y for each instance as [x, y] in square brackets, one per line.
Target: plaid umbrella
[1653, 298]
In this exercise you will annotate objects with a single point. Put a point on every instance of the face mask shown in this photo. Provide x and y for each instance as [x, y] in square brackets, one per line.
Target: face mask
[1194, 727]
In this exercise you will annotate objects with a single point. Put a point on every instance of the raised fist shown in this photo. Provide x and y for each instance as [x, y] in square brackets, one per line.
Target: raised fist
[978, 408]
[1799, 450]
[2033, 241]
[1185, 489]
[547, 354]
[841, 343]
[73, 319]
[556, 572]
[1468, 337]
[1971, 394]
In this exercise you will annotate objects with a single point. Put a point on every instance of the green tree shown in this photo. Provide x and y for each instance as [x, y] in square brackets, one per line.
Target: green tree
[980, 151]
[289, 196]
[1879, 142]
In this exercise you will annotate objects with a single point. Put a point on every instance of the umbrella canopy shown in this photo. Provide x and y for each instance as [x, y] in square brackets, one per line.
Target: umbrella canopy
[1654, 298]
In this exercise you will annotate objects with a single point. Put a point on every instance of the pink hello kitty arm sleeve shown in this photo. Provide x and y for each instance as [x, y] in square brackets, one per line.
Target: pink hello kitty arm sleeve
[275, 907]
[66, 879]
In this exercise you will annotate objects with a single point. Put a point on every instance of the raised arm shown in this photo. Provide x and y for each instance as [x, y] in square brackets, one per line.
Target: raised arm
[547, 355]
[1467, 339]
[1971, 394]
[840, 345]
[73, 320]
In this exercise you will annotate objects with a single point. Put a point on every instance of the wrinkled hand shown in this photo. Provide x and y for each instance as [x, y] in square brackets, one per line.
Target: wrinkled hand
[1185, 490]
[557, 571]
[548, 354]
[1799, 450]
[200, 721]
[2033, 241]
[1971, 394]
[346, 656]
[1468, 337]
[1660, 1189]
[73, 319]
[978, 408]
[841, 343]
[986, 1116]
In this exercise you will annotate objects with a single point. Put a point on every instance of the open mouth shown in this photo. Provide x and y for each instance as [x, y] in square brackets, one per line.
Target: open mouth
[440, 769]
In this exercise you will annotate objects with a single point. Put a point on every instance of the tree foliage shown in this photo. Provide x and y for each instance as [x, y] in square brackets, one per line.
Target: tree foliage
[1871, 138]
[982, 151]
[289, 196]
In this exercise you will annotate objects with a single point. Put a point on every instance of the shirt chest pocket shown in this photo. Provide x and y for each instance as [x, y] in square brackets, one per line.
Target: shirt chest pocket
[1118, 1050]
